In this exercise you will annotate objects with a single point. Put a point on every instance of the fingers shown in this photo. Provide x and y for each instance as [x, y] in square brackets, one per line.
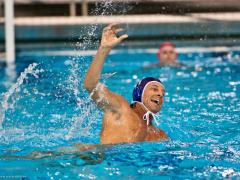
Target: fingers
[113, 25]
[110, 32]
[113, 28]
[119, 30]
[121, 38]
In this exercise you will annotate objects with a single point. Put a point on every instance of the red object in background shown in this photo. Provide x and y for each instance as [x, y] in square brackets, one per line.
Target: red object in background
[165, 44]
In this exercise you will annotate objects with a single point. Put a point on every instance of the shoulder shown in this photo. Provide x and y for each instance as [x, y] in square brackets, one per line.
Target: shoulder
[122, 102]
[159, 133]
[155, 134]
[162, 134]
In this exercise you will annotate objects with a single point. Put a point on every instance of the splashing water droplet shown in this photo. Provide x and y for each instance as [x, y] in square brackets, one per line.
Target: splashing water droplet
[14, 88]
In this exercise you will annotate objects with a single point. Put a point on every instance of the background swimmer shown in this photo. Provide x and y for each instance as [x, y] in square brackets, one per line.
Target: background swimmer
[122, 122]
[167, 54]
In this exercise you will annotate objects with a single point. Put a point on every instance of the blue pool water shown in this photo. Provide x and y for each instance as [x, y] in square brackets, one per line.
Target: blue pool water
[48, 109]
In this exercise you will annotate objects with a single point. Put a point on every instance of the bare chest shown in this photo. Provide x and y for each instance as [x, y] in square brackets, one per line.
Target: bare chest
[127, 127]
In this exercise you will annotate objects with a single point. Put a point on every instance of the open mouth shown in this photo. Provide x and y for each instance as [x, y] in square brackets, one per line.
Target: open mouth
[157, 102]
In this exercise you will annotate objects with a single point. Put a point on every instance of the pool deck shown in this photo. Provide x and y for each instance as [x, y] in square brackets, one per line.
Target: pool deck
[129, 19]
[221, 28]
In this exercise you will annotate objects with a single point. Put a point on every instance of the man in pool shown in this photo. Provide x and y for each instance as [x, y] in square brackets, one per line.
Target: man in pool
[167, 54]
[123, 122]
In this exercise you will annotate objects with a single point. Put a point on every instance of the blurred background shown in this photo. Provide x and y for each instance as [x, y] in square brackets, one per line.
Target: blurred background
[47, 24]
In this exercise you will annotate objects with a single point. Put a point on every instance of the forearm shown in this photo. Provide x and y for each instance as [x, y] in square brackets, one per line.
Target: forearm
[108, 41]
[95, 69]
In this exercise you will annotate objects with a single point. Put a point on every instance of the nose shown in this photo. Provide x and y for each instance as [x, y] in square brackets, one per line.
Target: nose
[161, 95]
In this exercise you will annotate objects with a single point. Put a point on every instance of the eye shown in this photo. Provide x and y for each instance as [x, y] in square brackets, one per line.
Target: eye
[164, 52]
[162, 94]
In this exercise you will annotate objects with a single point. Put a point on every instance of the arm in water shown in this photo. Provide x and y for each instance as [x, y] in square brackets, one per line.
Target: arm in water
[104, 98]
[90, 153]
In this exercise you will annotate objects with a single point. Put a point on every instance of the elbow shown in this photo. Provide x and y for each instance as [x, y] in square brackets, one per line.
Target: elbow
[88, 86]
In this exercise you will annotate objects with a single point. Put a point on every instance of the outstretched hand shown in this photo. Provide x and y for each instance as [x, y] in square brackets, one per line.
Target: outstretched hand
[109, 36]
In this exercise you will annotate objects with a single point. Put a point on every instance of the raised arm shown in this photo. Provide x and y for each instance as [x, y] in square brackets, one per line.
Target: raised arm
[99, 93]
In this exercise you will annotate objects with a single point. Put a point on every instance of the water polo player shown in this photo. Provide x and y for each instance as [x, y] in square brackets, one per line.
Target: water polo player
[123, 122]
[167, 54]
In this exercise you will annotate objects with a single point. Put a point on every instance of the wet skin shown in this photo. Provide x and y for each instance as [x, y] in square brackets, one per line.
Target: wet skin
[121, 123]
[127, 124]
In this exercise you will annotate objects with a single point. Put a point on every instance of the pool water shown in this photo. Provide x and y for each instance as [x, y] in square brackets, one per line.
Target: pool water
[48, 109]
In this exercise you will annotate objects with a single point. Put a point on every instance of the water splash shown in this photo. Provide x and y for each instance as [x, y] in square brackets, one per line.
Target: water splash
[85, 118]
[15, 87]
[87, 110]
[73, 82]
[103, 8]
[84, 105]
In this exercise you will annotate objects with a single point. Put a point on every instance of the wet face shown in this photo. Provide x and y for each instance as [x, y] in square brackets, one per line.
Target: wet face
[153, 97]
[168, 55]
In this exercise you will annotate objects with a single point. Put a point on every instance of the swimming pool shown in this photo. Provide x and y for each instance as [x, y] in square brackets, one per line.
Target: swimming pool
[48, 109]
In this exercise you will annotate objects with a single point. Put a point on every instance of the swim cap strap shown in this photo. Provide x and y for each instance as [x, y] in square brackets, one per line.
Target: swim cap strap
[146, 116]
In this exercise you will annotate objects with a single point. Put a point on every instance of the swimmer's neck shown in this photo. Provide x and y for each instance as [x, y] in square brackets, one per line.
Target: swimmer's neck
[167, 62]
[140, 110]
